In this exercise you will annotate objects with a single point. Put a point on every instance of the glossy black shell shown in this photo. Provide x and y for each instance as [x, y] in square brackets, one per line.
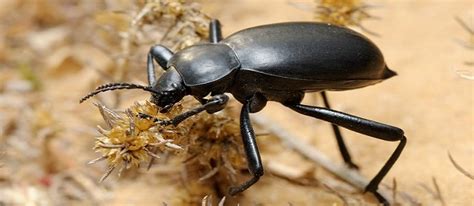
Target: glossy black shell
[204, 63]
[311, 56]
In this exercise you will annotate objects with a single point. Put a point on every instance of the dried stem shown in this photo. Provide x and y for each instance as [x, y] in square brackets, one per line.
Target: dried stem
[107, 173]
[97, 160]
[394, 191]
[206, 201]
[221, 203]
[464, 25]
[459, 168]
[333, 191]
[209, 174]
[438, 192]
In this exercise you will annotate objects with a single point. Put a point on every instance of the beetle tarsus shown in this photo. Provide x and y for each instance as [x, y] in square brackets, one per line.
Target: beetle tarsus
[238, 189]
[381, 198]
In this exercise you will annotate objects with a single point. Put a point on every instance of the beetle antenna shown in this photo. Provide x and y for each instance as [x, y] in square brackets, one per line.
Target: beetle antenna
[116, 86]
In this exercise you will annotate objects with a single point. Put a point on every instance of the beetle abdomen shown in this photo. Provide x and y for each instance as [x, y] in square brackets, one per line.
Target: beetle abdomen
[308, 51]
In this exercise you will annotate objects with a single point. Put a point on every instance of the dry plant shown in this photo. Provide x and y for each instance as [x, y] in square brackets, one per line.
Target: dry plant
[207, 201]
[128, 33]
[209, 145]
[459, 168]
[436, 193]
[344, 13]
[469, 45]
[131, 139]
[186, 23]
[33, 125]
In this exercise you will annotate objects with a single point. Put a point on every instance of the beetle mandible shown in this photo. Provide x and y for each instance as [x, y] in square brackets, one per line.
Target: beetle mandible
[277, 62]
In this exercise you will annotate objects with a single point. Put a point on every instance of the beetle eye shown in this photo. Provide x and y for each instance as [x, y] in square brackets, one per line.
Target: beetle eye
[154, 99]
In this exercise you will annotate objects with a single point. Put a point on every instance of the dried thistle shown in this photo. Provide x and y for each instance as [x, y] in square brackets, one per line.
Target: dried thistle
[211, 143]
[186, 23]
[133, 135]
[127, 34]
[214, 146]
[343, 13]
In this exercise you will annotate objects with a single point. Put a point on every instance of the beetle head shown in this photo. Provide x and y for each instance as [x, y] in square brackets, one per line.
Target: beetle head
[169, 89]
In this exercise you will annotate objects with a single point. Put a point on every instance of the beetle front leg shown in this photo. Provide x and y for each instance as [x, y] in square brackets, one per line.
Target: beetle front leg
[215, 33]
[161, 55]
[363, 126]
[214, 104]
[340, 140]
[251, 150]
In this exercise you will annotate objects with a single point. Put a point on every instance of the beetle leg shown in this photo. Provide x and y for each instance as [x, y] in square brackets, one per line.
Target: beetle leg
[214, 104]
[251, 150]
[161, 55]
[363, 126]
[340, 141]
[215, 32]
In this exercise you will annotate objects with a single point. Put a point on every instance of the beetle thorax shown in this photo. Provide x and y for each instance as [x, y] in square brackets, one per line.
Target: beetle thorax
[206, 68]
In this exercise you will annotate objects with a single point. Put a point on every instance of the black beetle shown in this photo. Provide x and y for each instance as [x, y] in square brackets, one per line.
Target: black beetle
[277, 62]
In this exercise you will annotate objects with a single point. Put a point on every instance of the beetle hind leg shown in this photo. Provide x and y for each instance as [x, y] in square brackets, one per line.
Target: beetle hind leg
[251, 150]
[363, 126]
[346, 156]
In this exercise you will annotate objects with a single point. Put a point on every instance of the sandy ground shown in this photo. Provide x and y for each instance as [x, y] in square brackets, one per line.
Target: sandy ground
[428, 99]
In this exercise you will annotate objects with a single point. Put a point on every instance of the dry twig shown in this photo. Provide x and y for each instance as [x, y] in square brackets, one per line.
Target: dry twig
[333, 191]
[207, 201]
[459, 168]
[394, 191]
[344, 13]
[438, 192]
[435, 193]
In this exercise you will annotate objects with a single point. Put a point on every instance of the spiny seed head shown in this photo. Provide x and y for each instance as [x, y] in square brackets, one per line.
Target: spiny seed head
[210, 144]
[132, 137]
[215, 143]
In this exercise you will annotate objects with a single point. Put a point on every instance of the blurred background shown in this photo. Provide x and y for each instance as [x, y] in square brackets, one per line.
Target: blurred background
[52, 52]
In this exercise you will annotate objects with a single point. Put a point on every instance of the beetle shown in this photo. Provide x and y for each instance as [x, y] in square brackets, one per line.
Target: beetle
[277, 62]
